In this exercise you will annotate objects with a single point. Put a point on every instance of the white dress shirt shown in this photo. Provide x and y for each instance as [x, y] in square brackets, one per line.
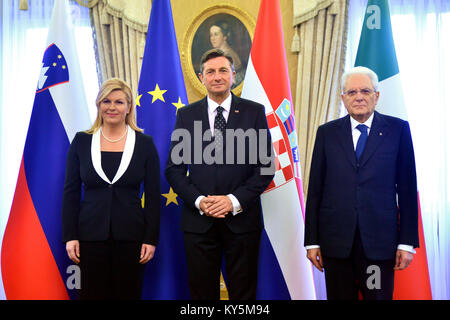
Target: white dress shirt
[212, 112]
[355, 135]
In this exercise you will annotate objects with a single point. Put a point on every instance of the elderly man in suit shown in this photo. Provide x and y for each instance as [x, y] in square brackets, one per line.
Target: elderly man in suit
[220, 182]
[361, 210]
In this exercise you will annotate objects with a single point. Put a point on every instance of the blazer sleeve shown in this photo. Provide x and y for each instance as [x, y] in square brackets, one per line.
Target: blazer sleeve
[71, 193]
[315, 189]
[263, 173]
[176, 174]
[407, 190]
[152, 196]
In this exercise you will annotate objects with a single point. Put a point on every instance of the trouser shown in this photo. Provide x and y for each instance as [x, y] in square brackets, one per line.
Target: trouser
[374, 279]
[204, 254]
[110, 270]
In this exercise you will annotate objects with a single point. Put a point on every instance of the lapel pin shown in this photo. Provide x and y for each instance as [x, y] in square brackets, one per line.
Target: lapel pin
[236, 111]
[381, 133]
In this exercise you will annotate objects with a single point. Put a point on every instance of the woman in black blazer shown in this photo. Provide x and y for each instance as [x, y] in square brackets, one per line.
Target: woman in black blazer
[105, 228]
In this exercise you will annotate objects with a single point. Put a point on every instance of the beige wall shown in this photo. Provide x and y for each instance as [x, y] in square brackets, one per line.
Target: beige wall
[185, 11]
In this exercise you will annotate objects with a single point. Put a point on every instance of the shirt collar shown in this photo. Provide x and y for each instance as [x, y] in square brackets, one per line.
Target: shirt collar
[355, 123]
[226, 104]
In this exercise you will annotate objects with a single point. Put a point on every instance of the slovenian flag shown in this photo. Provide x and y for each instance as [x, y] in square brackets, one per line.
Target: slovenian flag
[377, 51]
[161, 92]
[33, 258]
[284, 271]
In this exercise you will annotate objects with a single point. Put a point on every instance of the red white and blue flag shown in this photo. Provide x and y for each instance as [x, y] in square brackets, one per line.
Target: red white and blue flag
[284, 271]
[376, 51]
[34, 262]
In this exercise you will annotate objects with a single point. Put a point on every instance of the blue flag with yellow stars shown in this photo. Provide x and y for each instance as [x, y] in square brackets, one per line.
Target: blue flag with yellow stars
[161, 92]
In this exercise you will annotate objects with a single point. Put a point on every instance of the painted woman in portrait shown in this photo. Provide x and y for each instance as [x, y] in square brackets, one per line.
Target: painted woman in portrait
[220, 38]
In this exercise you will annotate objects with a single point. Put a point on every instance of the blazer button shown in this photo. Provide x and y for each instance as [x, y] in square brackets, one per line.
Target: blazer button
[110, 186]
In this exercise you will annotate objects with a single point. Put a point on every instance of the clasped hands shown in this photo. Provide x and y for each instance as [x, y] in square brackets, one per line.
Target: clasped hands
[216, 206]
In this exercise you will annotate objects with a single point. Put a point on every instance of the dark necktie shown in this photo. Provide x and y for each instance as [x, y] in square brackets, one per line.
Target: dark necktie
[219, 125]
[361, 141]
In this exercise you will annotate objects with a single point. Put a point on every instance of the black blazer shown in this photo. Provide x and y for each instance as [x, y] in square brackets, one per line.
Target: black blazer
[111, 207]
[244, 181]
[344, 193]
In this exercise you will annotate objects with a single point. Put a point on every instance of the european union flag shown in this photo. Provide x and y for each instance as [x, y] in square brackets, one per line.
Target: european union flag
[161, 92]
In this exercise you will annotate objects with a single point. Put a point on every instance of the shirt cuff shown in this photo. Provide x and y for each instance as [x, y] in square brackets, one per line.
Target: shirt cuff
[406, 247]
[236, 205]
[197, 204]
[314, 246]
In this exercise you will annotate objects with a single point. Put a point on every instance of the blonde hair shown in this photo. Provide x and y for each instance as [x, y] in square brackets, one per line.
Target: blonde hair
[109, 86]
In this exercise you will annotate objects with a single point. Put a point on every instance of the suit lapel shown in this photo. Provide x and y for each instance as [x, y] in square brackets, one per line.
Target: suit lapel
[378, 133]
[344, 136]
[204, 115]
[96, 155]
[235, 110]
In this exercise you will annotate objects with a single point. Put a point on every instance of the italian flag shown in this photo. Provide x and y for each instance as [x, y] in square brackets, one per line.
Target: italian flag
[376, 51]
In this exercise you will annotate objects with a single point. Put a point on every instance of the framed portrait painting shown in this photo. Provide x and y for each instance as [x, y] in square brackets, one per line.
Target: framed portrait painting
[222, 26]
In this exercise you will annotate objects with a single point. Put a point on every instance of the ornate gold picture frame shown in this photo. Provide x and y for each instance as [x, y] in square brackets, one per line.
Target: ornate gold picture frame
[220, 26]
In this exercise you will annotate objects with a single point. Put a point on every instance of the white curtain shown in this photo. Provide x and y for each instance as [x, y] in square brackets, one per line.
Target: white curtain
[22, 41]
[421, 32]
[120, 30]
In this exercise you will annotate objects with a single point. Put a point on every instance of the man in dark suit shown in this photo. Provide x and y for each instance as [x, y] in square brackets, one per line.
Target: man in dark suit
[361, 210]
[220, 182]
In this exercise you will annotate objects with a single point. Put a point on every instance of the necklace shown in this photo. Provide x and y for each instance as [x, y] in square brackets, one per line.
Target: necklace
[116, 140]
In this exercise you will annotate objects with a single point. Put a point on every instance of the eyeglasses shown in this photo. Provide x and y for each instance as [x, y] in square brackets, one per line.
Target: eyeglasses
[364, 92]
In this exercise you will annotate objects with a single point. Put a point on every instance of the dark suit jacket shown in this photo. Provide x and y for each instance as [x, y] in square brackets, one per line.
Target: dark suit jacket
[111, 208]
[344, 193]
[244, 181]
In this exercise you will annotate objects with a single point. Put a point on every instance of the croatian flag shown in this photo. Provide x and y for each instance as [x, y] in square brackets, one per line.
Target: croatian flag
[34, 261]
[376, 51]
[284, 271]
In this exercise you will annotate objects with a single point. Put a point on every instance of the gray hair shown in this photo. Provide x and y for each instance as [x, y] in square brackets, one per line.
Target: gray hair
[214, 53]
[360, 70]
